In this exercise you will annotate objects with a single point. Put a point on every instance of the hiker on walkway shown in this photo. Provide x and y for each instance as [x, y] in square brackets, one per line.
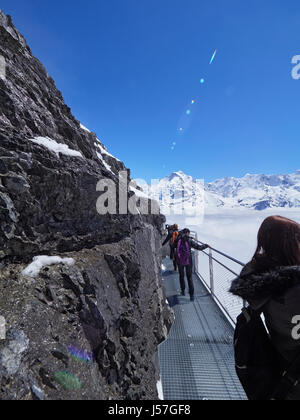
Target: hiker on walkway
[270, 282]
[171, 238]
[183, 251]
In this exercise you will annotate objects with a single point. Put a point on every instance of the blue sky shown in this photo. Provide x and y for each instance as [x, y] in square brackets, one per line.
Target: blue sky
[129, 70]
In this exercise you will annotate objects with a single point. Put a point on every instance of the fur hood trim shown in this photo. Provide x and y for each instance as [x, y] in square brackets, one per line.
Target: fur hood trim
[276, 282]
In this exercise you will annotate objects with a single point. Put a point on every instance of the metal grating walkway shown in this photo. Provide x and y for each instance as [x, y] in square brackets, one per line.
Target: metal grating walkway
[197, 360]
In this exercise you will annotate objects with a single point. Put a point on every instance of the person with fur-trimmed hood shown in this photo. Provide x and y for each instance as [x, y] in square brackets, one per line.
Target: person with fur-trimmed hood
[271, 282]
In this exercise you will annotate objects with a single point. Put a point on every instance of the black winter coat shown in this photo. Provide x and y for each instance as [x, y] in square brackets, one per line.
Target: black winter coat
[277, 293]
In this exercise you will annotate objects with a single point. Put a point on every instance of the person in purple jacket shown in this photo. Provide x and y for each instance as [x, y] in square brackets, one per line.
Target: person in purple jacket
[183, 246]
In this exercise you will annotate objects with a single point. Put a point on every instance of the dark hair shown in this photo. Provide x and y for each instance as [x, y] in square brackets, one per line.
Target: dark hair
[278, 244]
[185, 231]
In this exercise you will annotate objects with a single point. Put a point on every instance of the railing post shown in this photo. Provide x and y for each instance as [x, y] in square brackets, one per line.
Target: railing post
[196, 261]
[211, 273]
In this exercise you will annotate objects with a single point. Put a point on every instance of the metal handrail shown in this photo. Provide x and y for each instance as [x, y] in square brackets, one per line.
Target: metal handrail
[218, 301]
[219, 252]
[219, 262]
[211, 286]
[223, 254]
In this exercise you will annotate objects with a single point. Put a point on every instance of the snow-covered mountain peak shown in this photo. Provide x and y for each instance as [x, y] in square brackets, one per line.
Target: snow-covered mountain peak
[178, 176]
[257, 191]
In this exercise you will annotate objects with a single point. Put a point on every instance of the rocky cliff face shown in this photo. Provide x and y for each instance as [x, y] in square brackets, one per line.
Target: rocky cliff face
[90, 330]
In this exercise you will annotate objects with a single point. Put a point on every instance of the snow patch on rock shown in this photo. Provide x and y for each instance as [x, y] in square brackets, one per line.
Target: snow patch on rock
[84, 128]
[55, 147]
[42, 261]
[106, 165]
[104, 151]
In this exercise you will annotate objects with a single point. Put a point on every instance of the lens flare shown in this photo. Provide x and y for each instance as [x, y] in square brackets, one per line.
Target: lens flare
[188, 114]
[67, 380]
[213, 57]
[81, 355]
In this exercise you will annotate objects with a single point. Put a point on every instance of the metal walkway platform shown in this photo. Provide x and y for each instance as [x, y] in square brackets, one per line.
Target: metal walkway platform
[197, 359]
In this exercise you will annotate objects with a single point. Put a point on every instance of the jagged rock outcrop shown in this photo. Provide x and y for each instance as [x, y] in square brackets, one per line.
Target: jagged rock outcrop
[109, 306]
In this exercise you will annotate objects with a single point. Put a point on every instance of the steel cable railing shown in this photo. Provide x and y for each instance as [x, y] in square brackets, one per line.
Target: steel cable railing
[217, 273]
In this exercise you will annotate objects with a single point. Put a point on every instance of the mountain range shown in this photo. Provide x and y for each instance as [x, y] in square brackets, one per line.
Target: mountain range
[257, 192]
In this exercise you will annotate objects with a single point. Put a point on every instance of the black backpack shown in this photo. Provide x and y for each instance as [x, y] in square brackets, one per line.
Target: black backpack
[257, 365]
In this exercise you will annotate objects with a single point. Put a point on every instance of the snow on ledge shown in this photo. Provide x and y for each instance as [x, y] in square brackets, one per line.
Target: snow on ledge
[84, 128]
[55, 147]
[160, 390]
[105, 152]
[106, 165]
[38, 263]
